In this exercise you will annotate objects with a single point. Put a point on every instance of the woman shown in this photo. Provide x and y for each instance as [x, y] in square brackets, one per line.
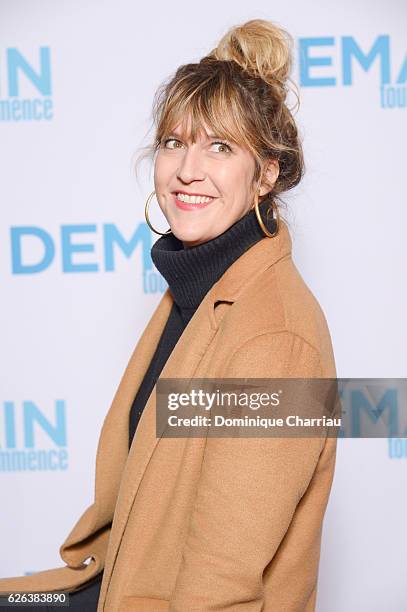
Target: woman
[188, 524]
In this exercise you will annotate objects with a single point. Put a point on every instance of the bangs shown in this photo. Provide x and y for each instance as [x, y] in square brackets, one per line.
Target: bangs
[209, 107]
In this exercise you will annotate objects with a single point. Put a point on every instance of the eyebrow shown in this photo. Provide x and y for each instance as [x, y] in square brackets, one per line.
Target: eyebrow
[173, 134]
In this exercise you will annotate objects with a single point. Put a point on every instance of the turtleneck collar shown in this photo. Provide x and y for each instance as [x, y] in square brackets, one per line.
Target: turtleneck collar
[191, 272]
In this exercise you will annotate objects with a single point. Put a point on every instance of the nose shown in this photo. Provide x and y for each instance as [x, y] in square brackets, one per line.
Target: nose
[191, 167]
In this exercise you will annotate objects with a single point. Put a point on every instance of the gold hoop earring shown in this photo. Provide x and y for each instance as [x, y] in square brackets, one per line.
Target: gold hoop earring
[260, 220]
[150, 197]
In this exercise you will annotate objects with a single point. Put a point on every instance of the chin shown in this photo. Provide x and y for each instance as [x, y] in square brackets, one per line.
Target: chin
[188, 234]
[190, 239]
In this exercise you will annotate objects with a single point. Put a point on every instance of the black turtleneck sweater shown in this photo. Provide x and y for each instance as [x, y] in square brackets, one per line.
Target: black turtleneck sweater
[190, 273]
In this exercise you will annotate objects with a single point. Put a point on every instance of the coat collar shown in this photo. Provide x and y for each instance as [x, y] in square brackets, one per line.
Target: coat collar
[119, 473]
[253, 262]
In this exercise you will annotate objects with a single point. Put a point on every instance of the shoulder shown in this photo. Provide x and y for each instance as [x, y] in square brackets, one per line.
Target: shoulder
[278, 309]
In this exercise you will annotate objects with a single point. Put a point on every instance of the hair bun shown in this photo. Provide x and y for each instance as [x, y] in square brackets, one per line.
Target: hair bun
[260, 47]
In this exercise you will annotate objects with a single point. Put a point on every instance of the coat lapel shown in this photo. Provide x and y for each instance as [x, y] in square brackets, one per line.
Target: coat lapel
[182, 363]
[112, 452]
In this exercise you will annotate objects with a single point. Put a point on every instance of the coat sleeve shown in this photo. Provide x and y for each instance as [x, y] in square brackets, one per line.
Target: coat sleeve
[247, 493]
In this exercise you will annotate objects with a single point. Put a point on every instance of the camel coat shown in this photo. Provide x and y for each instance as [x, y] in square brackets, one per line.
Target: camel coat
[201, 524]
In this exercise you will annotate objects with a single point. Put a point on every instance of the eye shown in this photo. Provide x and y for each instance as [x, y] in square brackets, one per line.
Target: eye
[171, 140]
[173, 143]
[226, 148]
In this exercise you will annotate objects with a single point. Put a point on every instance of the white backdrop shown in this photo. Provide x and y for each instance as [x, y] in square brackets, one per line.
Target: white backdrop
[75, 301]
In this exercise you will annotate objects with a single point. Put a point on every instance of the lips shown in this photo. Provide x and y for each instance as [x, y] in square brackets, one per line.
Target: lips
[191, 206]
[202, 195]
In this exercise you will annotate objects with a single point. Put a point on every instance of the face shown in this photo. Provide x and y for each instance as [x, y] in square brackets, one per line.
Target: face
[205, 187]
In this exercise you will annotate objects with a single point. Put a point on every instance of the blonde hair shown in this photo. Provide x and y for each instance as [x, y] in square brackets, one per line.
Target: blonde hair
[239, 90]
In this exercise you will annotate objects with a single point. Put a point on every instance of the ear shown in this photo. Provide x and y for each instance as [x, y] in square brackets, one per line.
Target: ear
[271, 170]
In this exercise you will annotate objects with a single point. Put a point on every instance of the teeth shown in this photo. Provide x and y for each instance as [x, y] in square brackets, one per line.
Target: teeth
[192, 199]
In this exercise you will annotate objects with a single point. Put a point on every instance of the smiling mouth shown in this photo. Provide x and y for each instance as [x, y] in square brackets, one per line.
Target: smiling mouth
[192, 199]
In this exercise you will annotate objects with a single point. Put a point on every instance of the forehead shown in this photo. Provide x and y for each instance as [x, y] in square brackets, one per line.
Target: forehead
[183, 129]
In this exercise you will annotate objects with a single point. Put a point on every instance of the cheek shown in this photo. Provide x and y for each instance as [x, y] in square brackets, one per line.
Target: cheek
[162, 171]
[227, 178]
[234, 180]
